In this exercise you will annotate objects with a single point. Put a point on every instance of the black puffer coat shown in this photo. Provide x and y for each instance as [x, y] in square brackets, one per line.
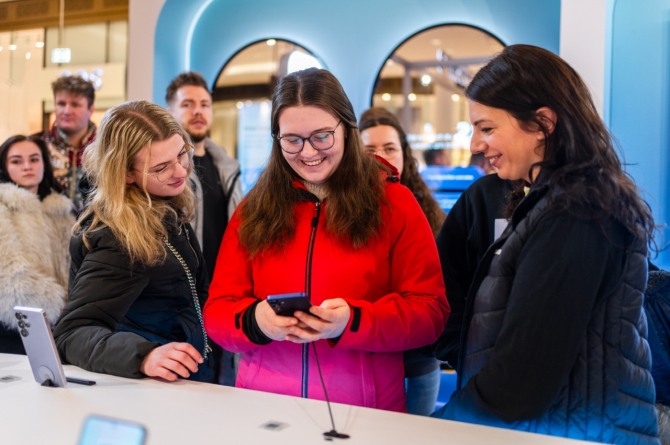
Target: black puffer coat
[117, 313]
[556, 341]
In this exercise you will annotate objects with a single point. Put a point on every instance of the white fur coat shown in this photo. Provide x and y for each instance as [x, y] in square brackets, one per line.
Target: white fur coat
[34, 251]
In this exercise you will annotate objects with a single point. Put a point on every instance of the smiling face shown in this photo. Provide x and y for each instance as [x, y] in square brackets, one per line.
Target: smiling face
[509, 148]
[166, 167]
[310, 164]
[192, 108]
[25, 165]
[384, 141]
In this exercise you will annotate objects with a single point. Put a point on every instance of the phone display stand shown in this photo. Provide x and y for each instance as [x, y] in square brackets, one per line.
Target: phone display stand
[47, 374]
[40, 347]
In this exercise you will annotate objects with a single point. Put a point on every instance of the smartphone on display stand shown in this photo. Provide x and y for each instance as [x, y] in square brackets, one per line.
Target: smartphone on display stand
[40, 346]
[102, 430]
[287, 304]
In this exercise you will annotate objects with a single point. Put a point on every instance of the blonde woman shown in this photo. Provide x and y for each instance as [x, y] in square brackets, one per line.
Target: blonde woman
[137, 280]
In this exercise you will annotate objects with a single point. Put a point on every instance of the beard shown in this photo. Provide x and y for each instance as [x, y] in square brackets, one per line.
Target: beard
[197, 137]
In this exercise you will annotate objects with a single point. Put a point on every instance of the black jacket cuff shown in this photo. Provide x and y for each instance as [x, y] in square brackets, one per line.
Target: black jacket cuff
[250, 326]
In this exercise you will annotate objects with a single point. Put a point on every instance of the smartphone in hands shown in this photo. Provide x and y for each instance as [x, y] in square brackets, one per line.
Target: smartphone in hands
[287, 304]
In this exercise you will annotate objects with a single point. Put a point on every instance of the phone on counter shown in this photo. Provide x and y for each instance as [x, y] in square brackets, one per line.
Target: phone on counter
[287, 304]
[102, 430]
[40, 346]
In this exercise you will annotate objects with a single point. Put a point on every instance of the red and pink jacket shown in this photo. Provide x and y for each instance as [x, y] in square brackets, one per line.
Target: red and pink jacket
[393, 284]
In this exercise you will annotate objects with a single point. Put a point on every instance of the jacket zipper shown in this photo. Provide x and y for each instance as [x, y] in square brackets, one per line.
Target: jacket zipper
[308, 291]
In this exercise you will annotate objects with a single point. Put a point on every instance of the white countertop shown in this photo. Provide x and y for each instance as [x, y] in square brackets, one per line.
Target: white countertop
[186, 412]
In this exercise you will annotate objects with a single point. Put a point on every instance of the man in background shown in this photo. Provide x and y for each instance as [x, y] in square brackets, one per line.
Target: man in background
[71, 133]
[216, 182]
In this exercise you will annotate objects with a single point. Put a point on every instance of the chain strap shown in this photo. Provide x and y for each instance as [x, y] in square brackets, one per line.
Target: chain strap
[194, 292]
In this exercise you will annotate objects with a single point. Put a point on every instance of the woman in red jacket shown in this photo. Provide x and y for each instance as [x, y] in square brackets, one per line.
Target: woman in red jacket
[327, 220]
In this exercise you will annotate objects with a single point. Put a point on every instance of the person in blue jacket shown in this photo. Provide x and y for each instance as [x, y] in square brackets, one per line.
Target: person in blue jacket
[554, 338]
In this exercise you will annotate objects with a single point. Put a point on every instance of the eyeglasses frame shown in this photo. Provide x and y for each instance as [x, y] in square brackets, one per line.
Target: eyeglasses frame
[190, 150]
[309, 139]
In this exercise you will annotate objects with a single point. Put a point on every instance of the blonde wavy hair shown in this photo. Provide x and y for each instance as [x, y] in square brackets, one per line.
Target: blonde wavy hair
[136, 220]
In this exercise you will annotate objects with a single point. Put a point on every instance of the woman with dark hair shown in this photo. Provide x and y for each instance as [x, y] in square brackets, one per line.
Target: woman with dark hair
[383, 136]
[327, 220]
[35, 225]
[554, 339]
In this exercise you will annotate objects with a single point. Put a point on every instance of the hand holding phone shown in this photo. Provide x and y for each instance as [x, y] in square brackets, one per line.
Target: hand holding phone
[286, 304]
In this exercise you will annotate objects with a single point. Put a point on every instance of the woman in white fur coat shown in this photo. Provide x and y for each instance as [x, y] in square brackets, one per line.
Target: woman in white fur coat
[35, 224]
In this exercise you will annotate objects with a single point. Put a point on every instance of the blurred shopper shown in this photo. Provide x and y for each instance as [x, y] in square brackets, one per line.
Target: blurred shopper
[473, 223]
[554, 336]
[216, 182]
[436, 157]
[383, 136]
[657, 308]
[327, 220]
[71, 133]
[35, 224]
[217, 187]
[137, 281]
[478, 160]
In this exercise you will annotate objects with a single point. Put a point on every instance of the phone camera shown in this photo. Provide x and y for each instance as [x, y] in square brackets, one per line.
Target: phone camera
[24, 332]
[22, 324]
[18, 315]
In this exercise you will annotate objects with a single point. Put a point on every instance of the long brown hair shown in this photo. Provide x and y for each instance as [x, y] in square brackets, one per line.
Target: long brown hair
[410, 176]
[137, 220]
[580, 158]
[355, 189]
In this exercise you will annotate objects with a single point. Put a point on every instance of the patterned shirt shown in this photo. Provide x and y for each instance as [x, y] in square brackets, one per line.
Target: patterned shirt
[66, 162]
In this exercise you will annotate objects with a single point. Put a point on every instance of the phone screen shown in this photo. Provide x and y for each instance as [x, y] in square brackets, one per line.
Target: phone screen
[99, 430]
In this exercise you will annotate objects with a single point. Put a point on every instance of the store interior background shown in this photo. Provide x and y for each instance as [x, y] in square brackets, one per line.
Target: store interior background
[620, 47]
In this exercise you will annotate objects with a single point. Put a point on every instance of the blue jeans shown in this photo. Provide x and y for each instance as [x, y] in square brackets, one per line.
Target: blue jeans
[422, 393]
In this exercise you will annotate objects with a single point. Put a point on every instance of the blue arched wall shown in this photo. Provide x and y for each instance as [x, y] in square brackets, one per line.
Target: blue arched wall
[352, 37]
[638, 109]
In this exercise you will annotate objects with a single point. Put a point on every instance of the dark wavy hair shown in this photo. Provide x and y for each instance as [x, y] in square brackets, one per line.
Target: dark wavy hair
[49, 183]
[410, 176]
[355, 189]
[580, 158]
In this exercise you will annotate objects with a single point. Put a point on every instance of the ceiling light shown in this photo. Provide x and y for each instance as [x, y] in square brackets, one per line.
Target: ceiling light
[60, 54]
[270, 42]
[386, 97]
[426, 79]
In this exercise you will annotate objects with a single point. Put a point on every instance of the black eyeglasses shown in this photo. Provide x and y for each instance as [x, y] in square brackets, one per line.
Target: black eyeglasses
[321, 140]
